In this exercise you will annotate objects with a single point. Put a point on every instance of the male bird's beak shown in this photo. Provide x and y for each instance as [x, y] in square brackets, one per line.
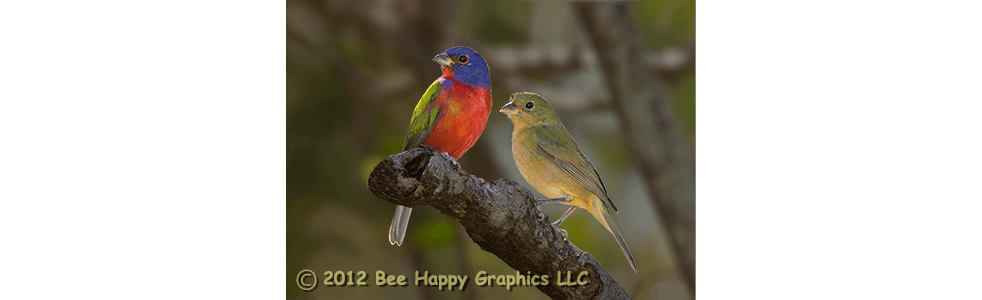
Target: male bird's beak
[443, 59]
[510, 109]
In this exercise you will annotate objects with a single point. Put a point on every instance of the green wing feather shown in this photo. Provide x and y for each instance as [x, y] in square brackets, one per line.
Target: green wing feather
[425, 116]
[555, 143]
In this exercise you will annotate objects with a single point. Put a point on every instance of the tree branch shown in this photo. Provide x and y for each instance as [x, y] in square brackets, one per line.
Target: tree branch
[500, 216]
[650, 130]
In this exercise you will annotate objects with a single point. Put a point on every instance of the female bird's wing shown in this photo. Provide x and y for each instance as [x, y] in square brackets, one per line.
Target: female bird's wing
[555, 143]
[424, 119]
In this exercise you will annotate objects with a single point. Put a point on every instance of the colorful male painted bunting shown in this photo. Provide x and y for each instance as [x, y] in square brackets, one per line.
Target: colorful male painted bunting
[551, 161]
[450, 116]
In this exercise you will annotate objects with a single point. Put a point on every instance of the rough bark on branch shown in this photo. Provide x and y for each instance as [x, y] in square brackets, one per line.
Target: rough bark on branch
[650, 130]
[500, 216]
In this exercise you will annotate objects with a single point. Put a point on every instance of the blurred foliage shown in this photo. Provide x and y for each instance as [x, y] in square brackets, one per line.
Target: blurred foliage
[355, 70]
[684, 96]
[436, 233]
[501, 22]
[666, 23]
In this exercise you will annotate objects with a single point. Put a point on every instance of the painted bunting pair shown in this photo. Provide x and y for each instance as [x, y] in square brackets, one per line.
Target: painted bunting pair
[452, 114]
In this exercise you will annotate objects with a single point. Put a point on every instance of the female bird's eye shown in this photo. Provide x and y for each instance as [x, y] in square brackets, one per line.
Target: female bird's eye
[529, 105]
[463, 59]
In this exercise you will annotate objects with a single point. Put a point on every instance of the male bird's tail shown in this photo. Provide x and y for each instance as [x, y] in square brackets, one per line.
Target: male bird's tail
[600, 212]
[397, 231]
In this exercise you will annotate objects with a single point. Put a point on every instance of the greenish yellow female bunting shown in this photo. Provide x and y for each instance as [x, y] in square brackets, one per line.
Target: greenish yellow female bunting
[551, 161]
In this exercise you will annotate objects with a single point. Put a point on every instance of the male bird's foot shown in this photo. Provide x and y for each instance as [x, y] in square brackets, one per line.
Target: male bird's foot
[562, 231]
[461, 172]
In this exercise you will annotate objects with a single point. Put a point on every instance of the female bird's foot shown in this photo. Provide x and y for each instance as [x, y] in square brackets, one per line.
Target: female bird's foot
[538, 204]
[540, 201]
[562, 231]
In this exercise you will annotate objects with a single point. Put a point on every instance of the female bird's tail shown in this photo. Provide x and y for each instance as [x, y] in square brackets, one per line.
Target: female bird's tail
[397, 231]
[600, 212]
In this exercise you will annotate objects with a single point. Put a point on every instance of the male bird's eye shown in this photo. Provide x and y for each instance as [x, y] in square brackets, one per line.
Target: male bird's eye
[463, 59]
[529, 105]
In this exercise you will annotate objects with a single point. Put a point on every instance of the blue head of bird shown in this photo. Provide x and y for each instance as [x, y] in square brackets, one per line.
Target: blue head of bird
[464, 65]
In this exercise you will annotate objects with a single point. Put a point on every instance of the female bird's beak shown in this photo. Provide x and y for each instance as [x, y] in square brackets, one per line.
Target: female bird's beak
[510, 109]
[443, 59]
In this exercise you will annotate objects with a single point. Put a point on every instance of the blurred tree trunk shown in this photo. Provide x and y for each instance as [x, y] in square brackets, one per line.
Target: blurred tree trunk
[667, 162]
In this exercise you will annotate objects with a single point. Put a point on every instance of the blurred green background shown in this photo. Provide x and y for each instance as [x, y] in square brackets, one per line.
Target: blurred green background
[355, 71]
